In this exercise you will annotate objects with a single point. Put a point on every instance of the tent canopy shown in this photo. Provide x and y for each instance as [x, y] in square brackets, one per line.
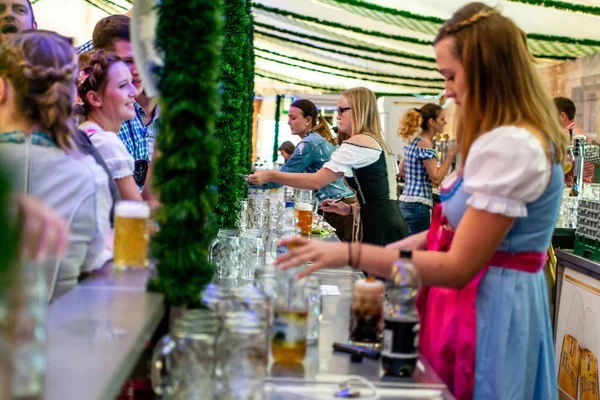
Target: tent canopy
[324, 46]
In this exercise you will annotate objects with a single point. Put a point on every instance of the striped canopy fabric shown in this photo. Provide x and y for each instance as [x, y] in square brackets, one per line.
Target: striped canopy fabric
[324, 46]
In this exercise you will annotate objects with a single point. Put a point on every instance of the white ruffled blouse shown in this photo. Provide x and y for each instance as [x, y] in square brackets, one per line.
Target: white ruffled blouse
[118, 160]
[506, 169]
[349, 156]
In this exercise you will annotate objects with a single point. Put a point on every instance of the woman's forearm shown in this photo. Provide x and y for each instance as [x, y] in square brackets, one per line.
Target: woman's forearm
[442, 171]
[312, 181]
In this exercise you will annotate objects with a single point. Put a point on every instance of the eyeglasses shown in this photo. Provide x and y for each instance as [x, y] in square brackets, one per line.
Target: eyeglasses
[342, 109]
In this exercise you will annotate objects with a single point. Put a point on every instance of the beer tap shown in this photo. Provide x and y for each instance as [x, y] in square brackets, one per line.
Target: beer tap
[443, 149]
[577, 152]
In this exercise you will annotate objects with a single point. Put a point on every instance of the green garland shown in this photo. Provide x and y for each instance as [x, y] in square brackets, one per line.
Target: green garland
[344, 53]
[332, 24]
[354, 71]
[186, 172]
[276, 136]
[563, 39]
[350, 76]
[435, 20]
[249, 57]
[376, 50]
[9, 242]
[561, 5]
[391, 11]
[329, 89]
[232, 124]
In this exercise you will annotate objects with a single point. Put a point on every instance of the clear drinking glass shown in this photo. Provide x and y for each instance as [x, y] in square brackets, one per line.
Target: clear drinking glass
[312, 291]
[225, 253]
[25, 308]
[242, 221]
[184, 361]
[253, 251]
[258, 212]
[243, 355]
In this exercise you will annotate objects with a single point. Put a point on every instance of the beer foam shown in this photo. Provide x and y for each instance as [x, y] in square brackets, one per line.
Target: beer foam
[132, 209]
[302, 207]
[362, 286]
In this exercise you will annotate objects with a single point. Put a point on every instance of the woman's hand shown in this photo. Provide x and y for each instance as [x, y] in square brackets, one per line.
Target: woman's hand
[323, 255]
[336, 206]
[260, 177]
[43, 232]
[413, 242]
[452, 151]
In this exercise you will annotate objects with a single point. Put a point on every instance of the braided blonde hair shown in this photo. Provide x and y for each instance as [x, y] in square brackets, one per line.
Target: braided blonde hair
[40, 65]
[503, 87]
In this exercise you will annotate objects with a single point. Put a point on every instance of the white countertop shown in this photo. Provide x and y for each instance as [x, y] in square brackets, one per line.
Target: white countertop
[96, 334]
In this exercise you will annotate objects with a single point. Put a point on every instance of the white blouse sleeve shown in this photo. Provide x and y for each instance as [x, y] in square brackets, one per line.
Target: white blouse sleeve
[350, 156]
[506, 169]
[113, 151]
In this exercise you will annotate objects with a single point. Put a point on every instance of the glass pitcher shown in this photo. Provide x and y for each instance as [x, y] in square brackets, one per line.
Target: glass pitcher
[184, 361]
[225, 253]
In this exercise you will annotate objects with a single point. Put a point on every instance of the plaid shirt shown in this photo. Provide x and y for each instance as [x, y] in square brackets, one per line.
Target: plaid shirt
[588, 167]
[133, 135]
[84, 48]
[418, 185]
[151, 128]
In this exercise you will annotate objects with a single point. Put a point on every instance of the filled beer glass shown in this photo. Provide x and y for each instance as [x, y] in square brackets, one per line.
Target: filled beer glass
[366, 318]
[131, 234]
[303, 204]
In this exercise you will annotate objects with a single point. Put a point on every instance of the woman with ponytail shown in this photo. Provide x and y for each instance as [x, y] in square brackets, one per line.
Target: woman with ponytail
[419, 165]
[310, 155]
[37, 87]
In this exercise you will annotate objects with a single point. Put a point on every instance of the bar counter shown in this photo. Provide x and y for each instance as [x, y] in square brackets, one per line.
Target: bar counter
[97, 331]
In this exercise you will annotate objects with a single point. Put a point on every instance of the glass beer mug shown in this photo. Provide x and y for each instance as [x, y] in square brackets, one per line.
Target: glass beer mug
[184, 361]
[303, 204]
[225, 253]
[131, 234]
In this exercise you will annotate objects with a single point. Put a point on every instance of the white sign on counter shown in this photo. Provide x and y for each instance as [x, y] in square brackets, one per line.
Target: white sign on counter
[330, 290]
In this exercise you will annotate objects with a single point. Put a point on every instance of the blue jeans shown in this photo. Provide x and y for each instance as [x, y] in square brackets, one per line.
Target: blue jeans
[417, 216]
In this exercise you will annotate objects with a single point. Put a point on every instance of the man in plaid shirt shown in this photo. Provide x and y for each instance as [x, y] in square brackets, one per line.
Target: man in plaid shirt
[566, 109]
[112, 34]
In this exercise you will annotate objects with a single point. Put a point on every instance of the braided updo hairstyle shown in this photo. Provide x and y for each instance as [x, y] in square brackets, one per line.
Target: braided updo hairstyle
[93, 76]
[40, 65]
[416, 118]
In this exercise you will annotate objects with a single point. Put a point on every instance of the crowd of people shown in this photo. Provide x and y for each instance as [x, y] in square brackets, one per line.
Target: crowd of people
[76, 135]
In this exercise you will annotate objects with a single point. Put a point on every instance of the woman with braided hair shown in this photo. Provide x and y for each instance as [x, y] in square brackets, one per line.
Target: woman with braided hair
[37, 86]
[106, 100]
[484, 315]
